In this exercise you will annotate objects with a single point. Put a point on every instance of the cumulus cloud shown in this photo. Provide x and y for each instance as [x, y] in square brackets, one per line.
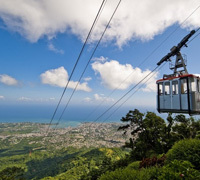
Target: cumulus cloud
[8, 80]
[115, 75]
[51, 47]
[98, 98]
[59, 77]
[101, 97]
[150, 85]
[133, 20]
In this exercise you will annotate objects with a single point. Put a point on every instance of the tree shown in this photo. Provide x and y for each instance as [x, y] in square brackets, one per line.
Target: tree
[185, 127]
[151, 135]
[170, 137]
[148, 132]
[135, 124]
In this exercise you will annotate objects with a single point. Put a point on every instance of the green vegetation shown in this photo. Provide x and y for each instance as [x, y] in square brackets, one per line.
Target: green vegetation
[173, 170]
[12, 173]
[152, 136]
[188, 149]
[156, 149]
[34, 156]
[65, 163]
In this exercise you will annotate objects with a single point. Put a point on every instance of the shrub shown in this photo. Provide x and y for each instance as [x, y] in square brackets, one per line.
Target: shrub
[129, 174]
[175, 170]
[186, 150]
[179, 170]
[154, 161]
[135, 165]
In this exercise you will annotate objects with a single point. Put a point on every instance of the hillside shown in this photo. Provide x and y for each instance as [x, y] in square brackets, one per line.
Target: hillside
[67, 152]
[153, 148]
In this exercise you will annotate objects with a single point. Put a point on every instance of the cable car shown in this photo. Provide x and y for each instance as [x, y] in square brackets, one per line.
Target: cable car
[178, 92]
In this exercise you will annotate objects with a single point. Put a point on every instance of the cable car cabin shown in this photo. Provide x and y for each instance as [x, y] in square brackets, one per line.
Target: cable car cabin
[179, 94]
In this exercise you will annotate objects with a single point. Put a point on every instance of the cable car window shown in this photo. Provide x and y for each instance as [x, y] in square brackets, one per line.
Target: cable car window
[175, 87]
[193, 85]
[183, 86]
[167, 88]
[160, 87]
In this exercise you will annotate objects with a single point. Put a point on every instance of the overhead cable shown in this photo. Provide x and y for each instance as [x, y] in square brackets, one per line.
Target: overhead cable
[132, 94]
[125, 94]
[83, 47]
[124, 80]
[154, 69]
[88, 63]
[194, 37]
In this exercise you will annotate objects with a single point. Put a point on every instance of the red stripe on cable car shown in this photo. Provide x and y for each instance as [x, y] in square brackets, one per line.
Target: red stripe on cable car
[171, 78]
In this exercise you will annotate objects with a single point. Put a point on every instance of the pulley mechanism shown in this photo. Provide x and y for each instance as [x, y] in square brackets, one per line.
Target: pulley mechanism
[180, 65]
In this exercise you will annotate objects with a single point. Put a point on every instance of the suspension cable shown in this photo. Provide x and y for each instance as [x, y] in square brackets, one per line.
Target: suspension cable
[132, 94]
[194, 36]
[83, 47]
[88, 63]
[99, 105]
[125, 94]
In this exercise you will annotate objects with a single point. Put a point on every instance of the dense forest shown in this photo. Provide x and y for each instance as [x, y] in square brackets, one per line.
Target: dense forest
[156, 149]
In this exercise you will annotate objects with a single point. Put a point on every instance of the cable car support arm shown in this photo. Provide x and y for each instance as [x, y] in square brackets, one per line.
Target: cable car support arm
[176, 49]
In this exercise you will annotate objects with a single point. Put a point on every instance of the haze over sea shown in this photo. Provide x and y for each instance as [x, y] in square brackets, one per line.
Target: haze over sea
[72, 117]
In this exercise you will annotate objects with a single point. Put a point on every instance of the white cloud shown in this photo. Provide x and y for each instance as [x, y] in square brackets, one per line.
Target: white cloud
[133, 20]
[41, 100]
[116, 75]
[44, 99]
[8, 80]
[87, 79]
[101, 97]
[59, 77]
[98, 98]
[55, 77]
[2, 97]
[25, 99]
[197, 75]
[51, 47]
[150, 85]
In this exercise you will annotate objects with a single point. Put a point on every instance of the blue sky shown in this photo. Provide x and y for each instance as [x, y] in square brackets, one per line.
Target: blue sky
[40, 42]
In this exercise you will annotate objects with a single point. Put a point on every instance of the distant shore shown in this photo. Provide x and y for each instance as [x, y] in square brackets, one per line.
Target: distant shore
[83, 135]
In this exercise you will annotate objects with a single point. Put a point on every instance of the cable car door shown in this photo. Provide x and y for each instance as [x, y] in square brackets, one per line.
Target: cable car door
[175, 95]
[184, 94]
[167, 95]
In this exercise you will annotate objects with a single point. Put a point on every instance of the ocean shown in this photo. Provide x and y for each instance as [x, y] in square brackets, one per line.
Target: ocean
[73, 116]
[43, 114]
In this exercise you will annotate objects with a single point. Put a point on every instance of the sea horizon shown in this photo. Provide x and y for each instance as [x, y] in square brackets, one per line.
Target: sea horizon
[72, 117]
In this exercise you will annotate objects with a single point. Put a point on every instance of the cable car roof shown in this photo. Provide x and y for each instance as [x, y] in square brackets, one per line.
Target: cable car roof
[177, 77]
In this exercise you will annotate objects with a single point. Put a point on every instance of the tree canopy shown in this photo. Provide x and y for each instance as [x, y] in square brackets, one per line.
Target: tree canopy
[151, 135]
